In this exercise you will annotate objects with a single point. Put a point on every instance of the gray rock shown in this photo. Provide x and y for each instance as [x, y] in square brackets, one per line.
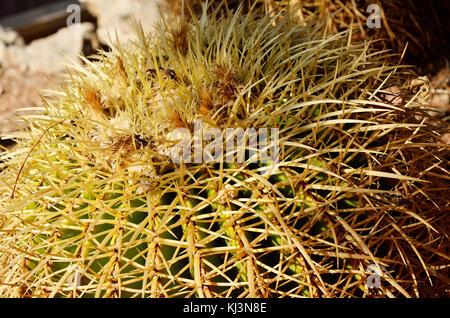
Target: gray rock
[50, 54]
[10, 37]
[25, 69]
[116, 15]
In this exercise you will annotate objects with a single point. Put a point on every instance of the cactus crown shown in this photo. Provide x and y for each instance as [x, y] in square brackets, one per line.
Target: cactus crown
[101, 210]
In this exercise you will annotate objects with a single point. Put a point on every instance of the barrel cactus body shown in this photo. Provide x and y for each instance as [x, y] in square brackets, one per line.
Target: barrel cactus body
[95, 204]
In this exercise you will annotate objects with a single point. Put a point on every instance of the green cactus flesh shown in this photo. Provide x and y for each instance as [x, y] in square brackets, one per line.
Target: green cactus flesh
[100, 210]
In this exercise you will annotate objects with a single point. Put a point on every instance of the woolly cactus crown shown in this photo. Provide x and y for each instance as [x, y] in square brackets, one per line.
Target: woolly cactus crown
[100, 209]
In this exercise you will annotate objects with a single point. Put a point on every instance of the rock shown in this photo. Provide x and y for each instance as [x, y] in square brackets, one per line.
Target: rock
[50, 54]
[10, 37]
[115, 16]
[20, 90]
[25, 70]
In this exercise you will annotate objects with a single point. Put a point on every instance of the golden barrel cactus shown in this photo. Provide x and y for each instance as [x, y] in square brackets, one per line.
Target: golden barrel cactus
[345, 199]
